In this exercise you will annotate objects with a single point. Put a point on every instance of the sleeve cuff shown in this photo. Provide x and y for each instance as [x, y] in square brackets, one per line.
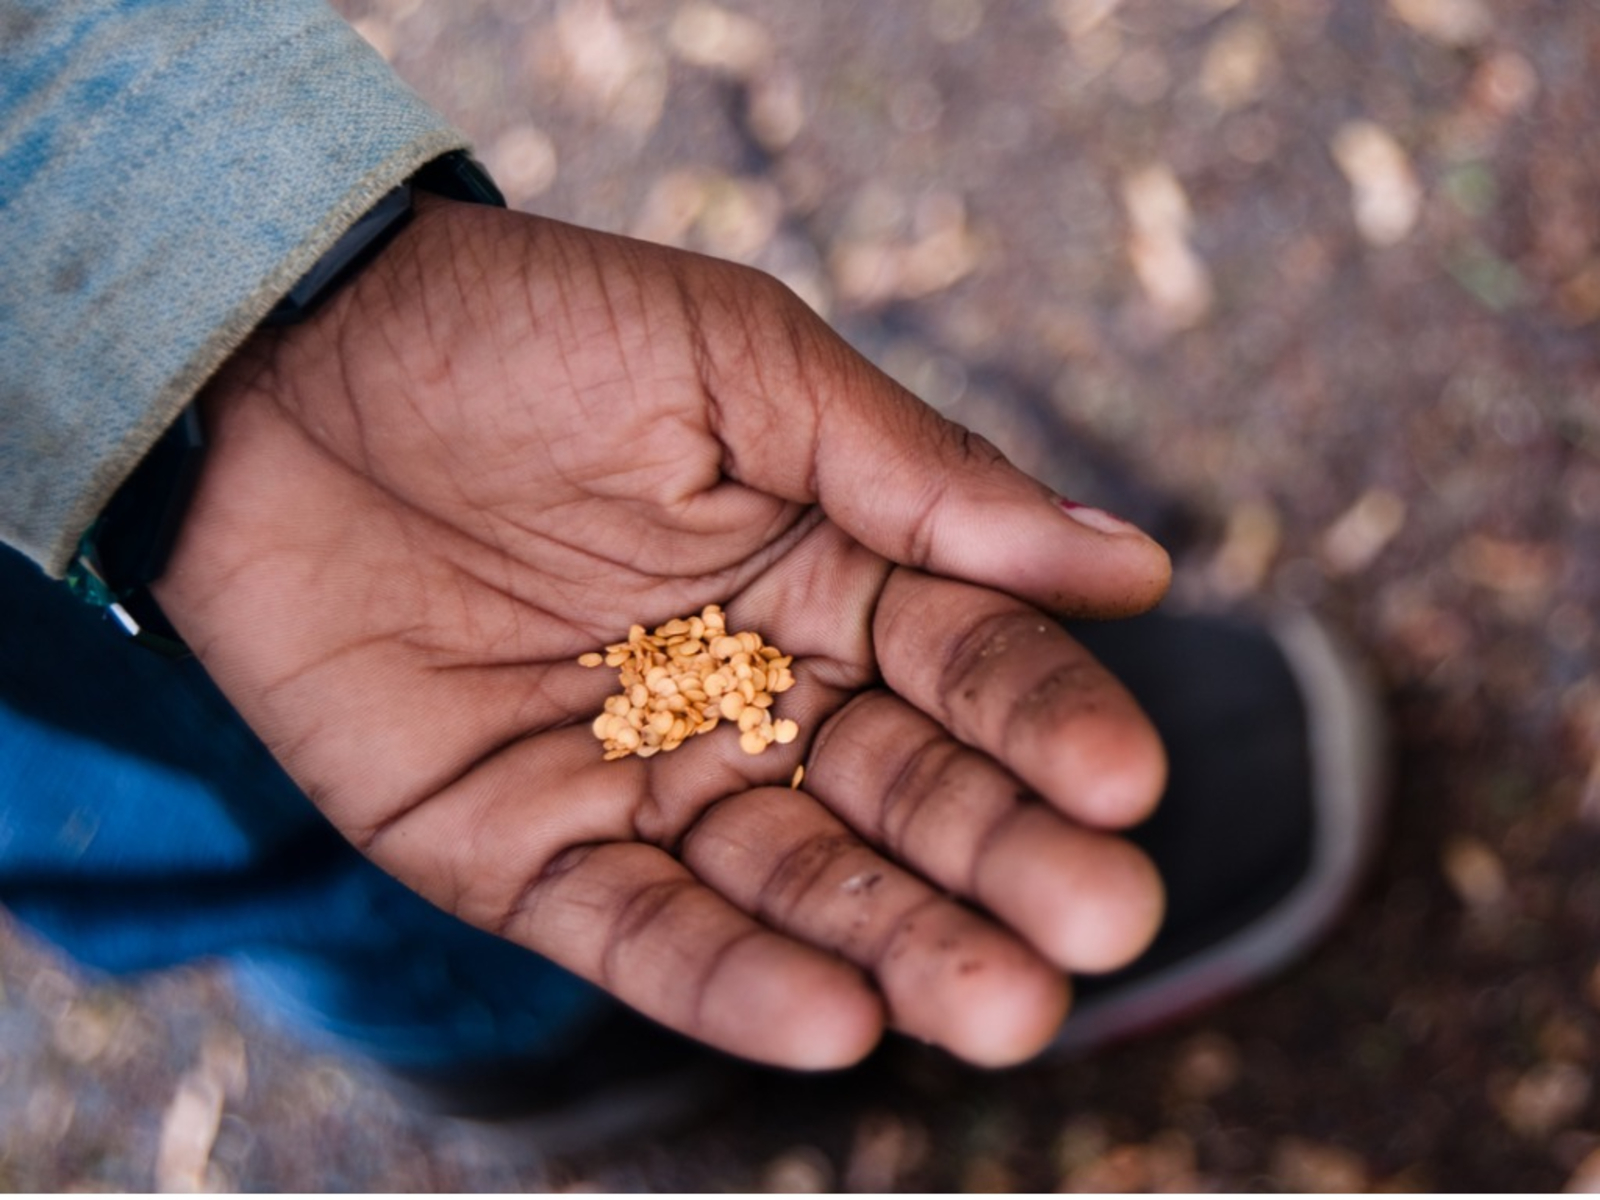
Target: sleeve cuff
[179, 169]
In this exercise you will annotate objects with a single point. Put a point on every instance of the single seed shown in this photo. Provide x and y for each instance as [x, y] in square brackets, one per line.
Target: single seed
[591, 659]
[751, 742]
[750, 718]
[731, 706]
[785, 731]
[799, 774]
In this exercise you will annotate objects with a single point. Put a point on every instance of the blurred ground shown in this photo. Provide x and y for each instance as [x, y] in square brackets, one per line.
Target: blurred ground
[1325, 277]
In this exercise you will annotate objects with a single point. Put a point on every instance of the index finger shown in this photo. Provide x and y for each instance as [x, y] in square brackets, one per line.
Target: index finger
[1007, 679]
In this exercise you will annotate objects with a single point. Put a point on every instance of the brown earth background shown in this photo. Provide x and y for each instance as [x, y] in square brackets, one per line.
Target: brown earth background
[1311, 288]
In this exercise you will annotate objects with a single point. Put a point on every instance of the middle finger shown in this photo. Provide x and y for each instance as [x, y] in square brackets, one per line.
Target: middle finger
[1085, 899]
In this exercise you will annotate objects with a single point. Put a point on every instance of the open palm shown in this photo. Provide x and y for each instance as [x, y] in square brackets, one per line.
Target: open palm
[509, 440]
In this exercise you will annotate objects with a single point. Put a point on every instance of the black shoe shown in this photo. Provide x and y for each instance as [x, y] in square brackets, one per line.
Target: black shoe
[626, 1077]
[1270, 815]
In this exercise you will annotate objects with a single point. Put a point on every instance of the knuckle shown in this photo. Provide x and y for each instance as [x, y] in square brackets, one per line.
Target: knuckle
[970, 661]
[926, 769]
[638, 921]
[973, 449]
[796, 875]
[1069, 687]
[549, 877]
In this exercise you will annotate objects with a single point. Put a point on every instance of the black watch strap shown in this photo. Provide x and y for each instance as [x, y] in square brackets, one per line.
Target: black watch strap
[456, 176]
[126, 549]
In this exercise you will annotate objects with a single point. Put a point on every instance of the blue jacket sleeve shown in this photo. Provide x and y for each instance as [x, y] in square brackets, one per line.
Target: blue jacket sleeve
[168, 169]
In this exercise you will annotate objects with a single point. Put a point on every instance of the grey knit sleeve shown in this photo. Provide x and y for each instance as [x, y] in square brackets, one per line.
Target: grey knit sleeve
[168, 169]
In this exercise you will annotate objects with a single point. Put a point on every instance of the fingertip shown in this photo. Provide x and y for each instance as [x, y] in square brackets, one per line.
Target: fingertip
[953, 979]
[1072, 567]
[1012, 1015]
[1131, 571]
[1112, 771]
[790, 1006]
[838, 1032]
[1083, 899]
[1119, 904]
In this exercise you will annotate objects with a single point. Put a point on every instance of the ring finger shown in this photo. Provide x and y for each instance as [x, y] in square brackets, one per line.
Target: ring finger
[947, 974]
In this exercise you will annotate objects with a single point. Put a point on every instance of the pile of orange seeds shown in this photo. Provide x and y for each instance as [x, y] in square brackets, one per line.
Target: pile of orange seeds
[688, 677]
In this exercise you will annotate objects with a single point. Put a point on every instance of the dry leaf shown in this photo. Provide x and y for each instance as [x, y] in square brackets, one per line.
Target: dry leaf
[1174, 279]
[1384, 191]
[523, 162]
[804, 1169]
[1238, 63]
[885, 1149]
[1079, 18]
[1545, 1099]
[1505, 566]
[1207, 1065]
[1450, 22]
[1358, 536]
[1250, 543]
[1586, 1179]
[1475, 873]
[193, 1116]
[1299, 1165]
[607, 68]
[719, 40]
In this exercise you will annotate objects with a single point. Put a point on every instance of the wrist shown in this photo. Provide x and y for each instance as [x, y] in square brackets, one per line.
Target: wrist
[125, 551]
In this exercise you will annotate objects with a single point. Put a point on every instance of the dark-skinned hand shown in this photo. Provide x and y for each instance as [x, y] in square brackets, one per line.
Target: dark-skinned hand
[508, 440]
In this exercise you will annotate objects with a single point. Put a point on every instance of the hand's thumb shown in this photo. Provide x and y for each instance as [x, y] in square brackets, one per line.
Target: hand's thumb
[808, 418]
[928, 493]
